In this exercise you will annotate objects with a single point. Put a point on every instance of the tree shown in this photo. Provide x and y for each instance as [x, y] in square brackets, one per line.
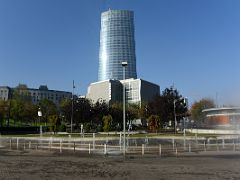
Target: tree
[116, 111]
[98, 110]
[17, 110]
[48, 108]
[107, 123]
[81, 111]
[54, 122]
[66, 109]
[21, 93]
[196, 110]
[29, 112]
[163, 105]
[154, 123]
[21, 107]
[132, 111]
[4, 110]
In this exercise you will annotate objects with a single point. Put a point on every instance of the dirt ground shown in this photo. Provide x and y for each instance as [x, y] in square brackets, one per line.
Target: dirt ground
[51, 165]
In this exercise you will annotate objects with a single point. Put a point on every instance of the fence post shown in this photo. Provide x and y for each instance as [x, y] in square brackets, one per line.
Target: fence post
[205, 149]
[36, 145]
[60, 144]
[120, 141]
[189, 147]
[176, 152]
[17, 143]
[196, 139]
[142, 149]
[223, 143]
[74, 146]
[234, 146]
[29, 145]
[93, 141]
[10, 143]
[105, 149]
[160, 150]
[24, 147]
[89, 148]
[173, 144]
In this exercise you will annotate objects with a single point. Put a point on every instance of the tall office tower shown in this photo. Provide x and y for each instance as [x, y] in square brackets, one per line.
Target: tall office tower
[117, 44]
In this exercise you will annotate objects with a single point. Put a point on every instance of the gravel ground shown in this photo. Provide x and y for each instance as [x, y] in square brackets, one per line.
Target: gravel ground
[39, 164]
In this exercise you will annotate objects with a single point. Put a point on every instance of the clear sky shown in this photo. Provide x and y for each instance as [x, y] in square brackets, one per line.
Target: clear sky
[193, 44]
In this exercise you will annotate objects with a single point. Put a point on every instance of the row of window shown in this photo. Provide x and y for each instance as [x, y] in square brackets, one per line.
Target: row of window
[119, 51]
[37, 99]
[3, 92]
[34, 94]
[117, 16]
[123, 45]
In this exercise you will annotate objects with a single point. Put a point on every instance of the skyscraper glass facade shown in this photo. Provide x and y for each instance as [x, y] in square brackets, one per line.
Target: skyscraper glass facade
[117, 44]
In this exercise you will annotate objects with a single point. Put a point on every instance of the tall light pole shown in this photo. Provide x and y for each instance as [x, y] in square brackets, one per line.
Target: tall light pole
[175, 117]
[72, 106]
[124, 65]
[39, 116]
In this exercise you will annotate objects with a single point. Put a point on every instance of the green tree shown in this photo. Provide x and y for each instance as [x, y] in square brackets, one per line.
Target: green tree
[17, 110]
[116, 111]
[66, 109]
[54, 122]
[107, 123]
[98, 110]
[132, 111]
[196, 110]
[154, 123]
[163, 105]
[29, 114]
[21, 93]
[21, 107]
[48, 108]
[82, 111]
[4, 110]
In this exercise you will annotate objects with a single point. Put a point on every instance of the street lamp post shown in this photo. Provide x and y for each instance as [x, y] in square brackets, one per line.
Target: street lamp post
[72, 106]
[124, 65]
[40, 126]
[175, 117]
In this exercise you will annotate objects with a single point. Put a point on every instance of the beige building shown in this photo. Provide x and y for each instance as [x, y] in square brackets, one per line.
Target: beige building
[137, 91]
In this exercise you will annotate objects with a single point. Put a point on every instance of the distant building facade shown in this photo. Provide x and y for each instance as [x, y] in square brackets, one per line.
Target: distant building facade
[117, 44]
[139, 90]
[36, 95]
[110, 91]
[5, 93]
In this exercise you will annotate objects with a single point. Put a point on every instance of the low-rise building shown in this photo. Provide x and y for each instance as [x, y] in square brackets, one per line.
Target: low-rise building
[223, 117]
[36, 95]
[137, 91]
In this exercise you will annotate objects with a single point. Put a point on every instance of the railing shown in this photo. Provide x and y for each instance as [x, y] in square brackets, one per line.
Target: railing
[169, 147]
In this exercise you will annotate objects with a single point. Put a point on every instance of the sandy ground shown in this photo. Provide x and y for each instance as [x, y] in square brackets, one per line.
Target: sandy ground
[38, 164]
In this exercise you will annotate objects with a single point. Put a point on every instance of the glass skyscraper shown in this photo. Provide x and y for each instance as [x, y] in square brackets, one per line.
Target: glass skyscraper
[117, 44]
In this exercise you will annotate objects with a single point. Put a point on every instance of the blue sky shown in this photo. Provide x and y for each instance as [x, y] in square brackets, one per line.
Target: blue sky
[193, 44]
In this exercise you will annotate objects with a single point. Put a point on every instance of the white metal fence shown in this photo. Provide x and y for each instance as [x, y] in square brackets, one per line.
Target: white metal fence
[139, 146]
